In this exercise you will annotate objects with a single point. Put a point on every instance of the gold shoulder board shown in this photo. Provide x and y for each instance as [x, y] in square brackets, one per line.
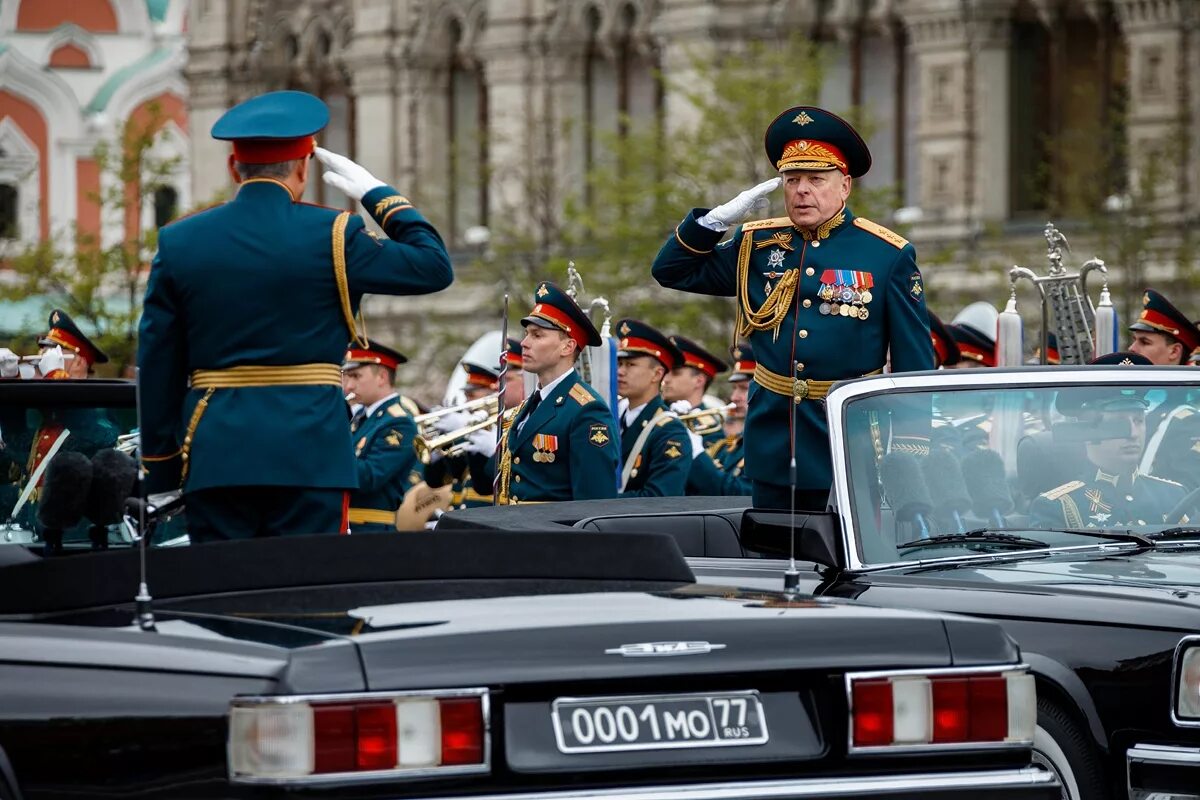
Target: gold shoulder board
[891, 237]
[763, 224]
[1160, 480]
[581, 395]
[396, 410]
[1066, 488]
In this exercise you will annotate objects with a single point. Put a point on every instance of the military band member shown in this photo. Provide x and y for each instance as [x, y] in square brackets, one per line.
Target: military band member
[656, 448]
[383, 433]
[685, 386]
[559, 444]
[822, 296]
[721, 470]
[514, 386]
[247, 312]
[482, 381]
[1113, 492]
[1162, 333]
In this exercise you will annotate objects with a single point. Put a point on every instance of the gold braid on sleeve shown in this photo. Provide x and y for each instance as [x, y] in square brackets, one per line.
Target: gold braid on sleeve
[774, 309]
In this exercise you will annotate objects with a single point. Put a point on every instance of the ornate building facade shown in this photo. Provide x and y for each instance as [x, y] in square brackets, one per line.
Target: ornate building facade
[72, 73]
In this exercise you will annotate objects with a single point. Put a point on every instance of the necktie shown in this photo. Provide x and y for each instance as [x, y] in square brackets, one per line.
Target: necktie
[530, 407]
[357, 419]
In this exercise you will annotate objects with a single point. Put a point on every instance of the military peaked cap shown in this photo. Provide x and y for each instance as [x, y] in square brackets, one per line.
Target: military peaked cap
[374, 353]
[639, 339]
[66, 334]
[807, 137]
[743, 362]
[697, 357]
[273, 127]
[945, 349]
[555, 310]
[1159, 316]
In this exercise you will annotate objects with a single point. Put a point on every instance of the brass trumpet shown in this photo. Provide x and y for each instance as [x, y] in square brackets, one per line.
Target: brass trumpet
[703, 421]
[449, 444]
[489, 405]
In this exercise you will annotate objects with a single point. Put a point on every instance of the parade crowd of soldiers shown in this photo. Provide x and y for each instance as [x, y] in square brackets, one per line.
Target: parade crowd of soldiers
[252, 403]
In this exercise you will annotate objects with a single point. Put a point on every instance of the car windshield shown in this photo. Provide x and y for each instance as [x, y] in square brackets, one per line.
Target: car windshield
[960, 471]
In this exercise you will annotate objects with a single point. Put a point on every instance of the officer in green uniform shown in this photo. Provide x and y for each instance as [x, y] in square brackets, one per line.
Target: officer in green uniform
[559, 444]
[656, 448]
[1113, 492]
[822, 295]
[247, 312]
[383, 433]
[684, 387]
[721, 471]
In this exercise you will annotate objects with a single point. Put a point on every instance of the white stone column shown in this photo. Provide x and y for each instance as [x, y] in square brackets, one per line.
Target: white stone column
[209, 36]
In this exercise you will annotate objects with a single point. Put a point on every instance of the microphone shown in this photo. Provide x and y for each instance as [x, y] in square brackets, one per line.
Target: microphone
[905, 490]
[947, 489]
[113, 477]
[986, 481]
[64, 491]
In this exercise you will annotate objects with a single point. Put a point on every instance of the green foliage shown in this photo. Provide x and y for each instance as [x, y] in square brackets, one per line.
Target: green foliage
[648, 176]
[101, 286]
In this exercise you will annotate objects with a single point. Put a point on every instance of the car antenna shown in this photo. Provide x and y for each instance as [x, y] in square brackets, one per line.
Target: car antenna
[791, 578]
[142, 601]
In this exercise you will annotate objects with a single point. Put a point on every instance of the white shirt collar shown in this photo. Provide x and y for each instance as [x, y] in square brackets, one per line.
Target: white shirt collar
[371, 409]
[632, 414]
[549, 387]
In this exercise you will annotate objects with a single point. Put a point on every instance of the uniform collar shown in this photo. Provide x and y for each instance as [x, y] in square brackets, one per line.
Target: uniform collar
[552, 385]
[830, 226]
[258, 187]
[378, 404]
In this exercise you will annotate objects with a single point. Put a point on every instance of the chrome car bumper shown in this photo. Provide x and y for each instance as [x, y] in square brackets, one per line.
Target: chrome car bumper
[1163, 772]
[1028, 782]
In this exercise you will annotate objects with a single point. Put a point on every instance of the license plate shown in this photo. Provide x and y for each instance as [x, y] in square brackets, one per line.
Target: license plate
[658, 722]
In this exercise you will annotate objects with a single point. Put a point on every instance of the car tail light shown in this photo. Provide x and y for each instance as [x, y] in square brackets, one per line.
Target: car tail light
[941, 708]
[367, 737]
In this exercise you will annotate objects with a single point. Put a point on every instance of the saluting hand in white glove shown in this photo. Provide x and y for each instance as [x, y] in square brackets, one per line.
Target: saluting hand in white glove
[343, 174]
[10, 363]
[726, 215]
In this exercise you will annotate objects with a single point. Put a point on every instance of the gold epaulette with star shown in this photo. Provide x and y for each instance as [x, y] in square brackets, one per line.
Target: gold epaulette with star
[1065, 489]
[581, 395]
[410, 405]
[764, 224]
[397, 410]
[889, 236]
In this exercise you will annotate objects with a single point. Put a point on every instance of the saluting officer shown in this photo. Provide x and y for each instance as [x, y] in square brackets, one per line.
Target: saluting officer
[821, 294]
[66, 351]
[559, 444]
[247, 312]
[721, 470]
[683, 388]
[383, 433]
[656, 448]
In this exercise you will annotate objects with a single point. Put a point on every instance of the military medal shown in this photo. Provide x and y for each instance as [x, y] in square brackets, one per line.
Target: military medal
[824, 309]
[544, 447]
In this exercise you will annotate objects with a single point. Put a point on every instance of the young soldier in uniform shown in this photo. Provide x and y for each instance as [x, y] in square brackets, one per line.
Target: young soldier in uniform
[383, 433]
[656, 448]
[822, 295]
[559, 444]
[683, 388]
[1162, 334]
[720, 470]
[514, 386]
[248, 308]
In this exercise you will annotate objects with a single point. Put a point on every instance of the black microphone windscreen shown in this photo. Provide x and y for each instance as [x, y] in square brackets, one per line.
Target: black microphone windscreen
[987, 483]
[944, 478]
[113, 476]
[64, 492]
[904, 486]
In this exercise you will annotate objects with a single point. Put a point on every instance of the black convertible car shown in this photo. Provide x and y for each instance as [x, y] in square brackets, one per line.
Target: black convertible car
[1036, 508]
[514, 666]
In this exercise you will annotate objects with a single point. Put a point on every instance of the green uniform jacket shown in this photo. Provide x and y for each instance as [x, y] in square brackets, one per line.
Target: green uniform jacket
[251, 283]
[1106, 501]
[566, 450]
[720, 470]
[826, 347]
[661, 468]
[385, 458]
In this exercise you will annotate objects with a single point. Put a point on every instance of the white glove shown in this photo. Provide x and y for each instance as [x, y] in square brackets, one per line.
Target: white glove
[343, 174]
[726, 215]
[697, 443]
[448, 423]
[52, 360]
[681, 407]
[10, 363]
[481, 442]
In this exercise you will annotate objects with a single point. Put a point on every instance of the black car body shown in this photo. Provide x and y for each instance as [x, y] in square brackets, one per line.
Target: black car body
[1110, 626]
[485, 665]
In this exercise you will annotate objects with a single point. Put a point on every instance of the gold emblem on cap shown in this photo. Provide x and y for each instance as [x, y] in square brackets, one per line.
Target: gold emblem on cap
[624, 328]
[54, 318]
[802, 119]
[542, 291]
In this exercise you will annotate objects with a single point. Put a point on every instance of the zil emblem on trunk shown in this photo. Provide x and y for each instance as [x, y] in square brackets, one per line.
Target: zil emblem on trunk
[645, 649]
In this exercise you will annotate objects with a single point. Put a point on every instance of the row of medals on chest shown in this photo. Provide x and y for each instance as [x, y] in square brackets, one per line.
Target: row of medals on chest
[843, 292]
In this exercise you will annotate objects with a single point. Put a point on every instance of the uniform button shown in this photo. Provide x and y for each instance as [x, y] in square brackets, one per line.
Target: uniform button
[517, 460]
[1129, 497]
[807, 303]
[810, 272]
[803, 334]
[816, 243]
[517, 478]
[800, 367]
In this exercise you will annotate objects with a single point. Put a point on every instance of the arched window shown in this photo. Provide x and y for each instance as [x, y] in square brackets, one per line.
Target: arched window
[166, 205]
[9, 227]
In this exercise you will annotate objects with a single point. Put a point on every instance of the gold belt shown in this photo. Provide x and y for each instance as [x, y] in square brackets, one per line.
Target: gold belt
[363, 516]
[249, 376]
[796, 388]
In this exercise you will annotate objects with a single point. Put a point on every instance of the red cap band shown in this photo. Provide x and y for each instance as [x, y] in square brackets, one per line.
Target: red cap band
[692, 361]
[744, 366]
[635, 345]
[561, 321]
[64, 339]
[370, 357]
[272, 151]
[985, 357]
[1161, 322]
